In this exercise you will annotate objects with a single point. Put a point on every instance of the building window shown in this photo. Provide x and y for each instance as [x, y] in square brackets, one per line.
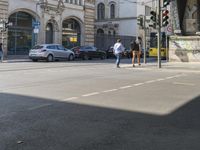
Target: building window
[101, 11]
[71, 33]
[20, 36]
[100, 32]
[112, 11]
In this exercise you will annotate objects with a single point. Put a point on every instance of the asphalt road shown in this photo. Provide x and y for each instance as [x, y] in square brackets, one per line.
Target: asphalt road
[92, 105]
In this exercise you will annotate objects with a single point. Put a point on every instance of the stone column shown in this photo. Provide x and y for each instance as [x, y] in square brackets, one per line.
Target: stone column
[4, 16]
[198, 15]
[89, 18]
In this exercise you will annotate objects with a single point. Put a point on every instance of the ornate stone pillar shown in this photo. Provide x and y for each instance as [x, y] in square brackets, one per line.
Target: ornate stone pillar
[89, 18]
[4, 17]
[190, 21]
[198, 15]
[175, 13]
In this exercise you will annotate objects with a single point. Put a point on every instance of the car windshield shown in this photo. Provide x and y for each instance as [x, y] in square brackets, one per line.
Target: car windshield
[37, 47]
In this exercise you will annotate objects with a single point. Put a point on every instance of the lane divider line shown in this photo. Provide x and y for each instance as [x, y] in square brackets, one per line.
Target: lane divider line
[112, 90]
[169, 77]
[40, 106]
[71, 98]
[90, 94]
[160, 79]
[150, 81]
[180, 83]
[126, 87]
[138, 84]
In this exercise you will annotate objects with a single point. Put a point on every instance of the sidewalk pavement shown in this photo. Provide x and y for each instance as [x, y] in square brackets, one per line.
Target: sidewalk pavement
[16, 58]
[169, 66]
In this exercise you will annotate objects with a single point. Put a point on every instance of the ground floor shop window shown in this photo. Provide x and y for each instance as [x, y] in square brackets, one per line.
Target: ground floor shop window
[71, 33]
[20, 36]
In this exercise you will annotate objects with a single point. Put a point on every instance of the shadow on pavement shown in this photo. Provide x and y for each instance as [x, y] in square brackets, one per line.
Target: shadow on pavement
[31, 123]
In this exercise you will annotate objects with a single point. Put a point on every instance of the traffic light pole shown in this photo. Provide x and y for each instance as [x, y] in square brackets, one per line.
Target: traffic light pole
[145, 43]
[159, 33]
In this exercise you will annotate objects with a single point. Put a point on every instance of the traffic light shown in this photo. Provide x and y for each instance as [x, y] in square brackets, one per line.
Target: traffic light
[165, 3]
[140, 21]
[153, 19]
[153, 16]
[165, 18]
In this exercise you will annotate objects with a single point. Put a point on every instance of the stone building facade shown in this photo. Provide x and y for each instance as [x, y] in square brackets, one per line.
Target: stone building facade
[184, 44]
[112, 17]
[68, 22]
[3, 17]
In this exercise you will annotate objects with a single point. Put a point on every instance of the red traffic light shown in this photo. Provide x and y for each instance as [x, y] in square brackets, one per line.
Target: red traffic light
[165, 12]
[165, 17]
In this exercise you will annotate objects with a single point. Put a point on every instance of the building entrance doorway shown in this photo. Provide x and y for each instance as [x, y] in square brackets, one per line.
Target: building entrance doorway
[49, 33]
[20, 36]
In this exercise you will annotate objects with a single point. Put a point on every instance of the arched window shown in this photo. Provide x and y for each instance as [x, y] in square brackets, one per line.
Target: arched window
[21, 36]
[112, 11]
[101, 11]
[100, 32]
[71, 33]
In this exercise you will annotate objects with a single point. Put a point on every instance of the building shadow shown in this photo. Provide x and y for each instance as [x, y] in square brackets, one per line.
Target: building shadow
[32, 123]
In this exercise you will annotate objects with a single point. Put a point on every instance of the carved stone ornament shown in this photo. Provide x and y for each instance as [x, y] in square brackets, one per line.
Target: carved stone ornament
[52, 9]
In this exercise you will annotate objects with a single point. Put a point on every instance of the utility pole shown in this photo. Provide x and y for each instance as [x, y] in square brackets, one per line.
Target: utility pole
[159, 33]
[145, 43]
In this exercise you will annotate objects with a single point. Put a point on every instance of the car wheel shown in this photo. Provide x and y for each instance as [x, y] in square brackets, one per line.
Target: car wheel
[34, 60]
[71, 57]
[50, 58]
[85, 57]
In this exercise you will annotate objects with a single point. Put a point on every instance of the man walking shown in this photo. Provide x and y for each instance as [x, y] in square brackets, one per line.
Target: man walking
[1, 52]
[118, 50]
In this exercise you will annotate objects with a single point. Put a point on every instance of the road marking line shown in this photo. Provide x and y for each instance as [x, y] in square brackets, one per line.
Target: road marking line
[138, 84]
[169, 77]
[112, 90]
[160, 79]
[125, 87]
[181, 83]
[40, 106]
[151, 81]
[71, 98]
[90, 94]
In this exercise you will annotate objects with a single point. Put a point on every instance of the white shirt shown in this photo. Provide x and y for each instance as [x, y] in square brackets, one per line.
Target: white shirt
[118, 48]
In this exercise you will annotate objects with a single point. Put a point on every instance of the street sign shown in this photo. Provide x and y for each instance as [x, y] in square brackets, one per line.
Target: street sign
[36, 30]
[36, 23]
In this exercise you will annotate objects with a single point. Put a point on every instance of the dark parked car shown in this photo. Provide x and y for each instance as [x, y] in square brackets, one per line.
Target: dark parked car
[88, 52]
[110, 53]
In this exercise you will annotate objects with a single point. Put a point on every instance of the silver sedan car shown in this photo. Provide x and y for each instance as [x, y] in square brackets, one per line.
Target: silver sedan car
[50, 52]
